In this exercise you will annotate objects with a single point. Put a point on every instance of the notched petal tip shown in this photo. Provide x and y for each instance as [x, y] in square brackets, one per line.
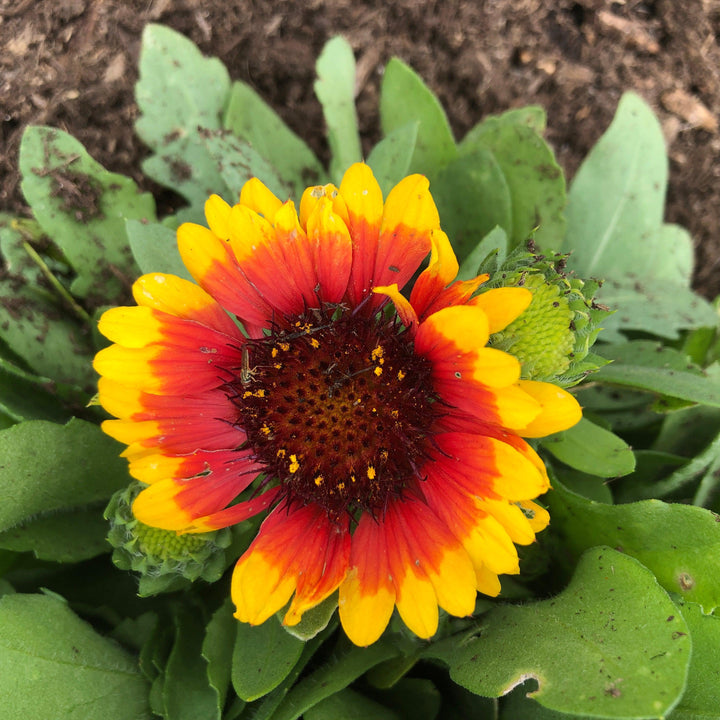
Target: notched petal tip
[258, 197]
[410, 204]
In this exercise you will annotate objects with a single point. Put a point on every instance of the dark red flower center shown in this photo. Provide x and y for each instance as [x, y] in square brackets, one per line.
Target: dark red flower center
[338, 409]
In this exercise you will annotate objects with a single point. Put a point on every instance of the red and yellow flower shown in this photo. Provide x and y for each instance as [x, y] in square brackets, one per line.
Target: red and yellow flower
[384, 439]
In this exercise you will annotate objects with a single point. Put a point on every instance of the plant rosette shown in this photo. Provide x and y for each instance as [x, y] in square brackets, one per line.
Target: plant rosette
[354, 450]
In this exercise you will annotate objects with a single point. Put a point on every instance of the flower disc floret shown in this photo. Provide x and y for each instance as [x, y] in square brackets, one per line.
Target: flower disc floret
[337, 408]
[383, 439]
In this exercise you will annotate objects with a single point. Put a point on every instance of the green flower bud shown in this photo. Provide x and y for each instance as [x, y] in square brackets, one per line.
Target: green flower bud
[553, 336]
[165, 560]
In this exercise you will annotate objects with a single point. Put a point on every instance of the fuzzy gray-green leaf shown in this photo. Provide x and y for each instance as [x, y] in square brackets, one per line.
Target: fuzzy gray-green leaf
[404, 98]
[251, 119]
[616, 200]
[83, 208]
[335, 89]
[179, 90]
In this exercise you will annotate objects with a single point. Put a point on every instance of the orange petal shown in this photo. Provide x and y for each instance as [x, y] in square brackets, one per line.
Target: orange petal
[512, 518]
[538, 516]
[452, 331]
[367, 595]
[440, 272]
[298, 252]
[176, 504]
[293, 541]
[409, 219]
[313, 195]
[212, 263]
[363, 199]
[261, 255]
[184, 299]
[330, 237]
[428, 566]
[502, 305]
[560, 410]
[484, 539]
[404, 309]
[489, 467]
[217, 214]
[362, 195]
[325, 565]
[256, 196]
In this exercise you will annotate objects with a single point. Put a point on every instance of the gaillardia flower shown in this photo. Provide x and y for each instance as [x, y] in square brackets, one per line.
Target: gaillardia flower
[383, 437]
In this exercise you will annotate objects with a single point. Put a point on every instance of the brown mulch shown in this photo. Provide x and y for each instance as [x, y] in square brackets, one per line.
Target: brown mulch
[73, 63]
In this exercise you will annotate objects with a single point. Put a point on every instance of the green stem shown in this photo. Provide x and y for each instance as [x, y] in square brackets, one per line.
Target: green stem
[56, 284]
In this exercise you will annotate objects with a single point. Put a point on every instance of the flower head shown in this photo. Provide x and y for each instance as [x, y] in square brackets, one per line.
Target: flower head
[164, 559]
[553, 336]
[384, 438]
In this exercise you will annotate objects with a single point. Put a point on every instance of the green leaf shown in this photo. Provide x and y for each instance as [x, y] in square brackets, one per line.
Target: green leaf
[48, 467]
[664, 475]
[405, 98]
[24, 396]
[207, 162]
[532, 116]
[187, 694]
[689, 432]
[472, 198]
[314, 620]
[344, 668]
[53, 344]
[17, 261]
[588, 486]
[415, 698]
[680, 544]
[678, 255]
[653, 478]
[217, 649]
[65, 536]
[702, 695]
[649, 305]
[238, 162]
[179, 90]
[54, 665]
[591, 449]
[390, 158]
[184, 165]
[335, 89]
[83, 208]
[534, 179]
[265, 709]
[349, 705]
[137, 632]
[616, 201]
[612, 644]
[155, 248]
[494, 242]
[263, 656]
[251, 119]
[519, 704]
[649, 366]
[389, 673]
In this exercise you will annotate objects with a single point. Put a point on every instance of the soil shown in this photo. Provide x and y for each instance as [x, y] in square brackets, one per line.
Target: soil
[73, 63]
